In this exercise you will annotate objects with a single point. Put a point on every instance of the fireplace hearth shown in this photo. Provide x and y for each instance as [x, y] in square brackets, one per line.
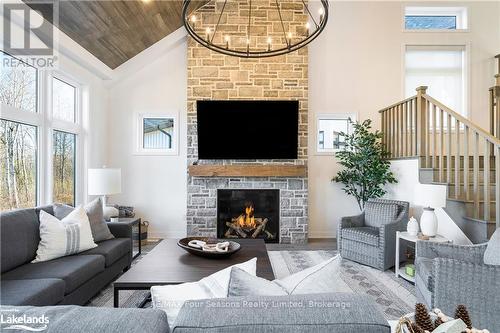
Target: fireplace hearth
[248, 214]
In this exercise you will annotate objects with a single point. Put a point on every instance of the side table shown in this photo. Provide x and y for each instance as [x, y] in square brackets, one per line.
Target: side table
[407, 237]
[135, 222]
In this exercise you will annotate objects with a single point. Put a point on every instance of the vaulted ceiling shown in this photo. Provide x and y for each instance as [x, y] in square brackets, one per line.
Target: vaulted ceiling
[115, 31]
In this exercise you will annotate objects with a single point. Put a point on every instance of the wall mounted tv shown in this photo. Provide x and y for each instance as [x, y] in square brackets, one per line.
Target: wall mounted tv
[247, 129]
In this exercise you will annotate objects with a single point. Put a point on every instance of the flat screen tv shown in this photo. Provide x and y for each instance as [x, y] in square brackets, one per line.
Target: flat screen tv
[247, 129]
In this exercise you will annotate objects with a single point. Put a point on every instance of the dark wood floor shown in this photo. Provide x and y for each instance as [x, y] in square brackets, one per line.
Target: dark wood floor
[314, 244]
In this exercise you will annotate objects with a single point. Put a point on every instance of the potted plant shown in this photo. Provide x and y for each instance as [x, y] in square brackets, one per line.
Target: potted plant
[366, 168]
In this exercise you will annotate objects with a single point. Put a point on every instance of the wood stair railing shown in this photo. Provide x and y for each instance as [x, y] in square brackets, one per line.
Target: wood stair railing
[460, 153]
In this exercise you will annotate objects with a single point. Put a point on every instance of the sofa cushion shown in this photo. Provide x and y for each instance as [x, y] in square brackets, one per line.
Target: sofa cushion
[380, 213]
[318, 313]
[100, 230]
[424, 270]
[40, 292]
[366, 235]
[74, 270]
[112, 249]
[71, 318]
[19, 232]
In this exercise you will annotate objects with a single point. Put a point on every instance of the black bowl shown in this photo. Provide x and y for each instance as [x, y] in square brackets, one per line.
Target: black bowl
[233, 247]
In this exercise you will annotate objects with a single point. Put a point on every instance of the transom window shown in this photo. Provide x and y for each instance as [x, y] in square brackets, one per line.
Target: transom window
[435, 18]
[40, 136]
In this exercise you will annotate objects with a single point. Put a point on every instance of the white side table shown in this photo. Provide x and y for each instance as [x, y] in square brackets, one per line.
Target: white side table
[406, 236]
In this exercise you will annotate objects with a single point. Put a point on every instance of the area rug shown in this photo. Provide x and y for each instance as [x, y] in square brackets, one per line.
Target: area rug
[394, 296]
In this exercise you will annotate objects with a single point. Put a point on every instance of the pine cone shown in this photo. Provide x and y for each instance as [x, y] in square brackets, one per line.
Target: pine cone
[462, 313]
[437, 322]
[416, 329]
[422, 318]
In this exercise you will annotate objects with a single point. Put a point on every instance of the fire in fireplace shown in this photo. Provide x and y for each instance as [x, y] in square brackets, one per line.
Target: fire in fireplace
[248, 214]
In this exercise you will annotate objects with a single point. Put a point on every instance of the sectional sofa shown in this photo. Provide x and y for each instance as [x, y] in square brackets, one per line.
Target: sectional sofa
[69, 280]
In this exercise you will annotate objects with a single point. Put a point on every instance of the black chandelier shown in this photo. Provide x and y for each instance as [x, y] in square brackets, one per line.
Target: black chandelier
[253, 41]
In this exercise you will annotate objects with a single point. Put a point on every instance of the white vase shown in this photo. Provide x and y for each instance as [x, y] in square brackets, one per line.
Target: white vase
[429, 222]
[412, 227]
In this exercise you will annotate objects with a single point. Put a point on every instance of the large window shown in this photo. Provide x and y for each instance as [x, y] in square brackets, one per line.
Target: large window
[40, 127]
[442, 69]
[18, 165]
[435, 18]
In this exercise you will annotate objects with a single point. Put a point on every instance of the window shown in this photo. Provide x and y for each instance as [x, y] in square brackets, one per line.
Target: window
[18, 85]
[329, 129]
[63, 100]
[442, 69]
[156, 135]
[18, 165]
[40, 148]
[435, 18]
[64, 166]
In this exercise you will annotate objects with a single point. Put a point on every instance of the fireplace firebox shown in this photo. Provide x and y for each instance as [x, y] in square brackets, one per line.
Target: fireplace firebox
[248, 214]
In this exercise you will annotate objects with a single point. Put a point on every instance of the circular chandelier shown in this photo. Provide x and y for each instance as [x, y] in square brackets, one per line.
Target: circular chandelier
[242, 29]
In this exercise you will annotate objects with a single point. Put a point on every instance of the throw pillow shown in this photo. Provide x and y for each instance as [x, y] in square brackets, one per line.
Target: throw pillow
[171, 298]
[322, 278]
[492, 253]
[62, 238]
[99, 227]
[380, 213]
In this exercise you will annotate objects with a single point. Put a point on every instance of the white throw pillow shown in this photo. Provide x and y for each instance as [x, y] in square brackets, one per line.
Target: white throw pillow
[171, 298]
[322, 278]
[59, 238]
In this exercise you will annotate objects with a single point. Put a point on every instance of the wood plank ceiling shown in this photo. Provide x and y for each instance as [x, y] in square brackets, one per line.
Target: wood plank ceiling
[115, 31]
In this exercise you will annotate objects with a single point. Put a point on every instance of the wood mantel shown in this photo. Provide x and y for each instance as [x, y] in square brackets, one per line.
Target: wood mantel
[247, 170]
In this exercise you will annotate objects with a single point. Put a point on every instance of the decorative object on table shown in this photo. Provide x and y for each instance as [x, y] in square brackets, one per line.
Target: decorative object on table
[221, 39]
[114, 219]
[462, 313]
[413, 227]
[429, 197]
[104, 182]
[209, 247]
[410, 270]
[366, 166]
[422, 317]
[125, 211]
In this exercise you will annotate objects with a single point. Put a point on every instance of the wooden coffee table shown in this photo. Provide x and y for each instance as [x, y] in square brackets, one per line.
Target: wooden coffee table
[167, 263]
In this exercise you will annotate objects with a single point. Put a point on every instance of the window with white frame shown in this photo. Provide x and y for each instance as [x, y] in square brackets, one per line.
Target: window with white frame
[329, 130]
[442, 70]
[435, 18]
[40, 136]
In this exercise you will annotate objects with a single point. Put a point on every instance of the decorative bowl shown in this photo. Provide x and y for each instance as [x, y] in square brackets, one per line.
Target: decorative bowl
[233, 247]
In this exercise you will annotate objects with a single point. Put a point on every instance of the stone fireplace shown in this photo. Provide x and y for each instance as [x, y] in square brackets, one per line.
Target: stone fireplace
[252, 214]
[213, 76]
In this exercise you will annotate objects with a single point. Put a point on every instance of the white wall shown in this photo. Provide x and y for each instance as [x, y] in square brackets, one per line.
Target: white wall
[154, 185]
[356, 66]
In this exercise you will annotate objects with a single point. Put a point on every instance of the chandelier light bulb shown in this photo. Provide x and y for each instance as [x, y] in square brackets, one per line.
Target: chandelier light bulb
[226, 39]
[208, 34]
[269, 42]
[308, 26]
[321, 14]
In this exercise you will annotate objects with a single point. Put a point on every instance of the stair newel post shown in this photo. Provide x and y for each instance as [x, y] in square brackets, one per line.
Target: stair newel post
[422, 124]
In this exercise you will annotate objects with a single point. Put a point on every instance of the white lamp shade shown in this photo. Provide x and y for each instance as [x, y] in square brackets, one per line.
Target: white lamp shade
[104, 181]
[430, 195]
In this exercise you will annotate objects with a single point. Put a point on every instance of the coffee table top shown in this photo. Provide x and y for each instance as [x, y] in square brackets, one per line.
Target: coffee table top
[167, 263]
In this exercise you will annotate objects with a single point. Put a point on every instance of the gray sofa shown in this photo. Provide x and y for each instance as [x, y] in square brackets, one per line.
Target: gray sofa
[448, 275]
[370, 238]
[319, 313]
[68, 280]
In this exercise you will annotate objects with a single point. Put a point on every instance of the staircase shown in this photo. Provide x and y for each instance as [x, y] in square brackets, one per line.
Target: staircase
[452, 151]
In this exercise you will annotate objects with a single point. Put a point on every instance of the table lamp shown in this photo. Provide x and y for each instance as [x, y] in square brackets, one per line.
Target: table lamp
[104, 182]
[430, 197]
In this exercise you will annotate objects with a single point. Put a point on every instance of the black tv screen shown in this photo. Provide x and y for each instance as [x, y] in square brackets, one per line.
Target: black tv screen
[247, 129]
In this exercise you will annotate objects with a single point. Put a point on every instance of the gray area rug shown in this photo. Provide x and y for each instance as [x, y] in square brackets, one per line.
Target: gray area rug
[394, 296]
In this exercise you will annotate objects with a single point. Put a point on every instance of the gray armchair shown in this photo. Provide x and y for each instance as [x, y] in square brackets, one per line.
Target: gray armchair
[370, 238]
[448, 275]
